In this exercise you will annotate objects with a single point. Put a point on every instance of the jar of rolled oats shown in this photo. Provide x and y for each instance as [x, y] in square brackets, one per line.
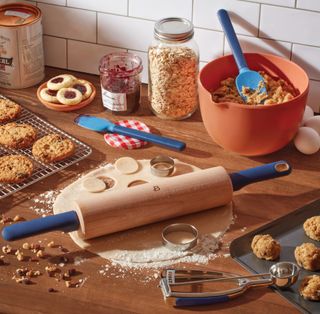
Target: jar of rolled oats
[173, 69]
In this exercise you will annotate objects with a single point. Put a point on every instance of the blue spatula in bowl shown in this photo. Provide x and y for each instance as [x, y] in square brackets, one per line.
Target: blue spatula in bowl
[103, 125]
[246, 78]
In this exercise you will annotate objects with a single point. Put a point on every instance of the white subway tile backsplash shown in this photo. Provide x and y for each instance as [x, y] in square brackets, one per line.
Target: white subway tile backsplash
[144, 58]
[124, 32]
[109, 6]
[308, 58]
[155, 10]
[55, 51]
[244, 15]
[253, 44]
[297, 26]
[57, 2]
[314, 96]
[85, 57]
[313, 5]
[210, 44]
[68, 23]
[286, 3]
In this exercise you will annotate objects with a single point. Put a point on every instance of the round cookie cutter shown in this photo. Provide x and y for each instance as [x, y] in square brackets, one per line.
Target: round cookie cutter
[162, 166]
[180, 244]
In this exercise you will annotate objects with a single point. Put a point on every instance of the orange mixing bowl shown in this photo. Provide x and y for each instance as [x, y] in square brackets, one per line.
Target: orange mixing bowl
[246, 129]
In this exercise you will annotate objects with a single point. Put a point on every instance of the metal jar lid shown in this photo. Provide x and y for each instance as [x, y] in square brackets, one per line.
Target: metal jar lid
[173, 29]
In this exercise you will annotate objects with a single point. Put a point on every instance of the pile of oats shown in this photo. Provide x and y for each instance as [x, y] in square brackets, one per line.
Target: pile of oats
[173, 81]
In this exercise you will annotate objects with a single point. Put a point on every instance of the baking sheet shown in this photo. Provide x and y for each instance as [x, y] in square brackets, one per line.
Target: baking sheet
[41, 170]
[288, 230]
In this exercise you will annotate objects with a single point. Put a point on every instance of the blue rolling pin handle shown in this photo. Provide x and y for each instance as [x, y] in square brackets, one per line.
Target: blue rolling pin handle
[181, 302]
[268, 171]
[232, 40]
[66, 222]
[156, 139]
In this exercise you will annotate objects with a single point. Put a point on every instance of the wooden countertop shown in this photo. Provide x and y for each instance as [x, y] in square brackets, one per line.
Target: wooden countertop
[253, 206]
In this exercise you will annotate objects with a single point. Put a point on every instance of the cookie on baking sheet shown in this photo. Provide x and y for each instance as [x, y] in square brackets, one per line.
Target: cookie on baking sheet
[69, 96]
[53, 147]
[265, 247]
[312, 228]
[49, 95]
[9, 110]
[310, 288]
[84, 87]
[307, 256]
[15, 168]
[17, 135]
[60, 81]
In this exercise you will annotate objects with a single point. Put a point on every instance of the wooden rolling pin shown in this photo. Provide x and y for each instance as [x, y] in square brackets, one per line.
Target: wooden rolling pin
[117, 210]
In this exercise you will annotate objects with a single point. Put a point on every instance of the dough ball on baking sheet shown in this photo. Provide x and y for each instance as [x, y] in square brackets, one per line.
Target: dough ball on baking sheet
[312, 228]
[307, 256]
[265, 247]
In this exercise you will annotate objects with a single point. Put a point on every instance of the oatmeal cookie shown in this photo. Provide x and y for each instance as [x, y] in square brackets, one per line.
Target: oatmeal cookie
[52, 147]
[9, 110]
[15, 168]
[265, 247]
[308, 256]
[17, 135]
[312, 228]
[310, 288]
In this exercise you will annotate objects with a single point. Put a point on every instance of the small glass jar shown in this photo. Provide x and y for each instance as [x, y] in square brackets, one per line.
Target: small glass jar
[173, 69]
[120, 82]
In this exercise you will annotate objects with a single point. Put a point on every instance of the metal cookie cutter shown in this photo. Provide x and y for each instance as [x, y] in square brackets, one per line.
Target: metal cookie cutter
[162, 166]
[180, 236]
[191, 290]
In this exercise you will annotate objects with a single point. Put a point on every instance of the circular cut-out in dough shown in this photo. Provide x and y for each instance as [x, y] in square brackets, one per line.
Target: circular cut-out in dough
[94, 185]
[136, 182]
[126, 165]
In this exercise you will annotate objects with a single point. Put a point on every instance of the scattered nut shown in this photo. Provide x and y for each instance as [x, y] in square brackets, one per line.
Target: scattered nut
[51, 270]
[26, 246]
[66, 276]
[5, 219]
[68, 284]
[23, 280]
[7, 249]
[72, 272]
[51, 244]
[21, 271]
[20, 256]
[52, 290]
[33, 273]
[35, 246]
[18, 218]
[40, 254]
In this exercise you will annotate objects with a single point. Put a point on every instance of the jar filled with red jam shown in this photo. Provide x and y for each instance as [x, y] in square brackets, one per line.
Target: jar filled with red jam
[120, 82]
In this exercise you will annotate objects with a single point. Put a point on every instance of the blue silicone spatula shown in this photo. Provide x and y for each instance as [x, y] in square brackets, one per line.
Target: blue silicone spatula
[103, 125]
[246, 77]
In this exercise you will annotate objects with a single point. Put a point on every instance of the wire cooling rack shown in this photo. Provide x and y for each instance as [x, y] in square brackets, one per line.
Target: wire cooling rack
[41, 170]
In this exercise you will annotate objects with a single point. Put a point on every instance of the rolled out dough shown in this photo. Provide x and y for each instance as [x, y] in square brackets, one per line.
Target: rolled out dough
[142, 247]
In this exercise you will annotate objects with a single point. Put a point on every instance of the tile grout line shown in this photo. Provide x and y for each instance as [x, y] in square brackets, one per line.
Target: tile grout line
[291, 51]
[67, 59]
[127, 7]
[259, 20]
[97, 27]
[192, 10]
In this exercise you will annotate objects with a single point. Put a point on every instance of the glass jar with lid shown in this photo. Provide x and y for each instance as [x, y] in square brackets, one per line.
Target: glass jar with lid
[173, 59]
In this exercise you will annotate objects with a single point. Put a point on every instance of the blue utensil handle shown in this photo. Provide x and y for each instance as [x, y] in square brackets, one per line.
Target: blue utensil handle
[180, 302]
[66, 222]
[232, 39]
[144, 136]
[268, 171]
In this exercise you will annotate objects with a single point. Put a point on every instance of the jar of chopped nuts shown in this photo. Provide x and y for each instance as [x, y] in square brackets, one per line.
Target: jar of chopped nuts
[173, 69]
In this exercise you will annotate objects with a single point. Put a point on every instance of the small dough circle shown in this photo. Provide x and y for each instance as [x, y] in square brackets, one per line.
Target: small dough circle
[94, 185]
[49, 95]
[126, 165]
[309, 288]
[265, 247]
[312, 227]
[60, 81]
[307, 256]
[69, 96]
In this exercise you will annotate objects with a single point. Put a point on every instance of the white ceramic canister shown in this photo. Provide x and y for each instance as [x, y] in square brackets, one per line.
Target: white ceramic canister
[21, 46]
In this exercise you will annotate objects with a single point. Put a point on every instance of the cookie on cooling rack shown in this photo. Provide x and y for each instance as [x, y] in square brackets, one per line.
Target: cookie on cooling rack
[17, 135]
[9, 110]
[15, 168]
[53, 147]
